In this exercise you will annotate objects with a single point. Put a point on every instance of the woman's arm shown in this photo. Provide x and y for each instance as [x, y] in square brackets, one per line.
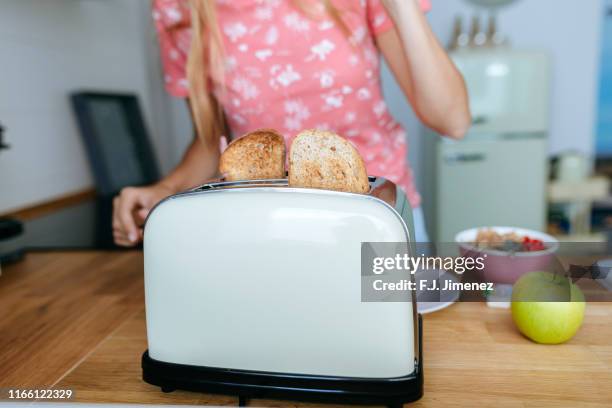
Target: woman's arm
[199, 163]
[433, 85]
[133, 204]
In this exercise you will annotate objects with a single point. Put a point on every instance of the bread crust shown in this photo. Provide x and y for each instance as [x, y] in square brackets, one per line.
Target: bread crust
[258, 155]
[321, 159]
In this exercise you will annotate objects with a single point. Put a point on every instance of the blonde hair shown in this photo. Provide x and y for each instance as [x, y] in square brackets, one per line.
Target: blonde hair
[205, 65]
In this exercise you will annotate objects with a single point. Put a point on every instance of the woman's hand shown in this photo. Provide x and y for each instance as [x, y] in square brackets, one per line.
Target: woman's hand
[130, 209]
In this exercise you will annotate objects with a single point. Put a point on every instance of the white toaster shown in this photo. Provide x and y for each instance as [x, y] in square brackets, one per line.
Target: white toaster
[253, 288]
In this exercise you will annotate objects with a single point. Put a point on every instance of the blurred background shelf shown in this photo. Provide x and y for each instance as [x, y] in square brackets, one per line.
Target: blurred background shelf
[589, 190]
[571, 209]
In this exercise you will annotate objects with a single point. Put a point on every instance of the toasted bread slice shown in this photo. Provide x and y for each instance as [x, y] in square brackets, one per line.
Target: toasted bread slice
[320, 159]
[255, 156]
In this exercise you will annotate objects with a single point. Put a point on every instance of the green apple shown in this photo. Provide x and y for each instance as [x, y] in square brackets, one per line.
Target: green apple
[547, 308]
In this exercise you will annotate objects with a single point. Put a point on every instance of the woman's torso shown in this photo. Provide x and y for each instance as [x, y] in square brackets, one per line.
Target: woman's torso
[287, 71]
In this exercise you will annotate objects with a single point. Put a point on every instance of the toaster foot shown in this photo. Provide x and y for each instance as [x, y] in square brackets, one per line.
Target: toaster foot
[167, 390]
[242, 401]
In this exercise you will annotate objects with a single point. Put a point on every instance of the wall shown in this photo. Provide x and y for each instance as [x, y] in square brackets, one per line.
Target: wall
[49, 49]
[569, 30]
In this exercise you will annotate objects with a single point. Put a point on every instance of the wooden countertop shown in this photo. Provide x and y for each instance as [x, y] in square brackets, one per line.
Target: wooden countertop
[76, 320]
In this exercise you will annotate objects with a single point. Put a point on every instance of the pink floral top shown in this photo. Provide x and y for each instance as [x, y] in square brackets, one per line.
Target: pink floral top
[287, 71]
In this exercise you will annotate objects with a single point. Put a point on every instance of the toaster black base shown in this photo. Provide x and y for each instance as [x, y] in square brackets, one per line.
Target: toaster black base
[265, 385]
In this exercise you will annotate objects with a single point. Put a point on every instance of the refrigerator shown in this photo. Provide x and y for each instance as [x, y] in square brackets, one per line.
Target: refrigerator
[496, 175]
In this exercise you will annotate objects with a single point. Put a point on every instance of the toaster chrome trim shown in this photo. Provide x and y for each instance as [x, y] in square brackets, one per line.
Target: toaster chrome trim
[381, 190]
